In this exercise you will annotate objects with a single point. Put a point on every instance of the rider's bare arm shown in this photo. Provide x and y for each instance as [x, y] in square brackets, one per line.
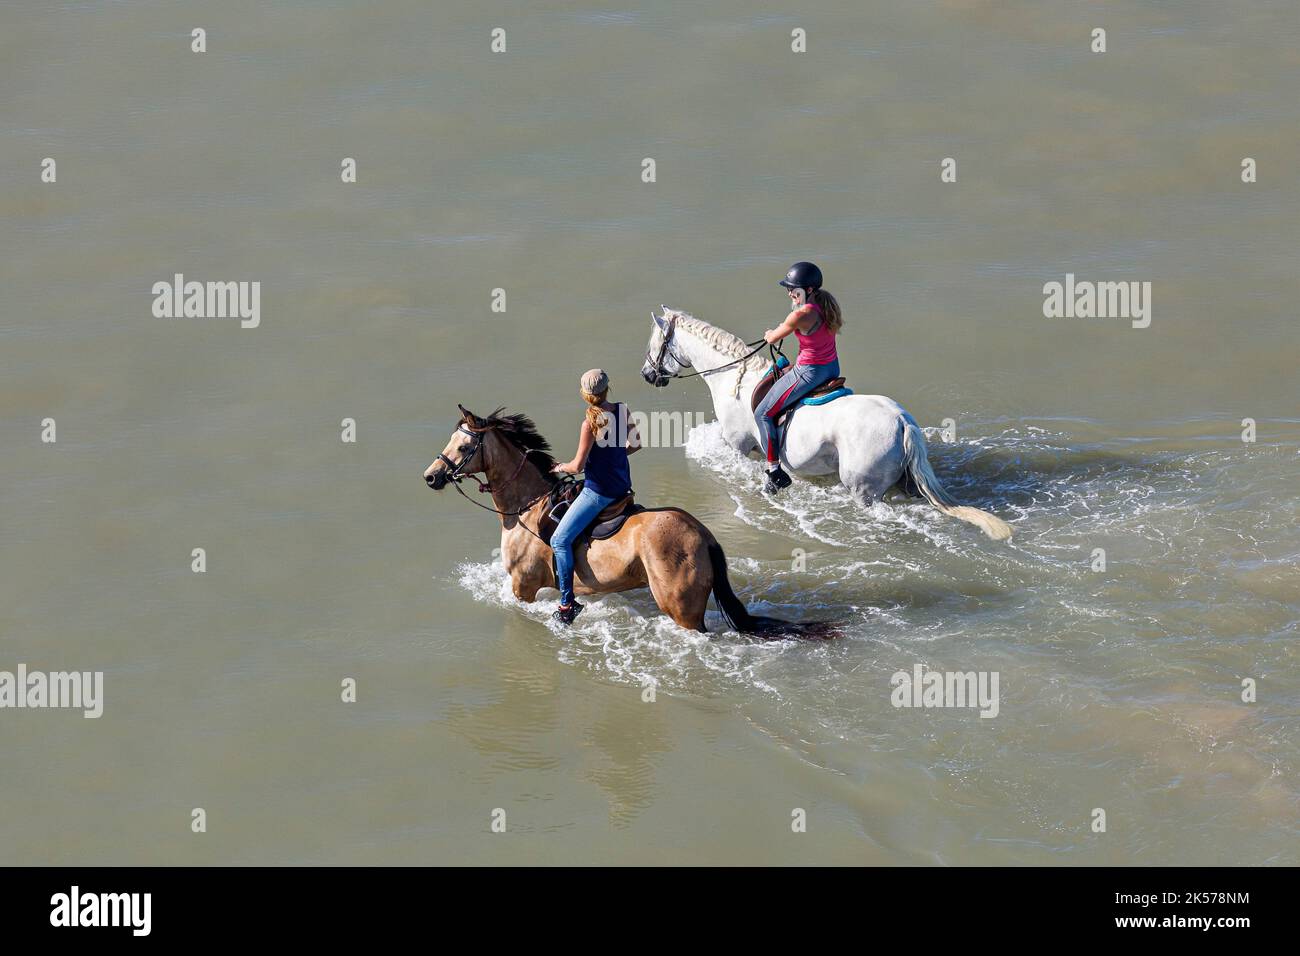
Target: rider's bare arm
[585, 441]
[792, 322]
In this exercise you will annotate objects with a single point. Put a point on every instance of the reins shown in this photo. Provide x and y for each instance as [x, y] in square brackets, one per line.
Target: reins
[455, 476]
[758, 347]
[507, 514]
[658, 362]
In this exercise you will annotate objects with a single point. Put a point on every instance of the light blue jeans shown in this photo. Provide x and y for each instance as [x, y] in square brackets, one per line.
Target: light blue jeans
[581, 513]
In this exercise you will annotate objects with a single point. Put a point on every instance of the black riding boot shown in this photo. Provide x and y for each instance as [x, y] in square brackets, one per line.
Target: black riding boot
[776, 480]
[565, 615]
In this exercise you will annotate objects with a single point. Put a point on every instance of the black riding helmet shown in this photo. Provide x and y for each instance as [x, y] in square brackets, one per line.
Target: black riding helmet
[803, 275]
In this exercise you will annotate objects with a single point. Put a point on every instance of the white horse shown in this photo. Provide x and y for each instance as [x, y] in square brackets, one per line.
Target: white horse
[868, 440]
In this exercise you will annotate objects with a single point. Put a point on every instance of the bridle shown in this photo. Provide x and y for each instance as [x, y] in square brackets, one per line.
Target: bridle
[455, 474]
[656, 363]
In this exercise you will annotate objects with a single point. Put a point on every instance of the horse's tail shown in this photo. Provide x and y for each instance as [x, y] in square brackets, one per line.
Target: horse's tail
[732, 608]
[738, 616]
[917, 463]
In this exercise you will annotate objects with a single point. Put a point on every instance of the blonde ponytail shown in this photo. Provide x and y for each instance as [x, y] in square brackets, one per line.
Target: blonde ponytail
[830, 309]
[597, 417]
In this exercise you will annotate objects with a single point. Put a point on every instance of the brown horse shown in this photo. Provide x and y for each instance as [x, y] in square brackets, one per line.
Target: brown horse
[664, 549]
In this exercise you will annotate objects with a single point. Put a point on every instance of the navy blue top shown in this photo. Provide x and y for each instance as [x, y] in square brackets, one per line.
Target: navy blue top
[607, 470]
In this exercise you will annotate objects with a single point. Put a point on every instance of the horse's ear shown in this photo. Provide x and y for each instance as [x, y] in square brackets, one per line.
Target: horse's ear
[466, 414]
[659, 320]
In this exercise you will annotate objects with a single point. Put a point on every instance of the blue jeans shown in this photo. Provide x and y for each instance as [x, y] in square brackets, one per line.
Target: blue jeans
[581, 513]
[797, 382]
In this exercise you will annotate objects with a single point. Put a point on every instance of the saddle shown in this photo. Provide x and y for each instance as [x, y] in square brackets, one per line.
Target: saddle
[606, 524]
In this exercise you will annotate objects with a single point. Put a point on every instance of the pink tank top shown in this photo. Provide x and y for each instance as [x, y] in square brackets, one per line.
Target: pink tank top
[818, 346]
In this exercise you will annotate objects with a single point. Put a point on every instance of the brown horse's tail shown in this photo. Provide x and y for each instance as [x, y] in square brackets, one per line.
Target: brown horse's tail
[738, 616]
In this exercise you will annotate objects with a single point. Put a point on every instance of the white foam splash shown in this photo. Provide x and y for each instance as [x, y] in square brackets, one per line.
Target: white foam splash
[908, 583]
[821, 509]
[626, 638]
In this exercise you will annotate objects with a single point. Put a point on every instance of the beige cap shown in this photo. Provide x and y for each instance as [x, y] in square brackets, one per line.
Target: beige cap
[594, 381]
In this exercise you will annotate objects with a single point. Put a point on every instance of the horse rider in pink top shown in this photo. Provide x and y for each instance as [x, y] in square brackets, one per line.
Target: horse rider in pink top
[815, 321]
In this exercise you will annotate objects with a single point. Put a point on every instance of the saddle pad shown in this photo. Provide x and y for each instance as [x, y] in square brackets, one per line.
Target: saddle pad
[827, 396]
[783, 420]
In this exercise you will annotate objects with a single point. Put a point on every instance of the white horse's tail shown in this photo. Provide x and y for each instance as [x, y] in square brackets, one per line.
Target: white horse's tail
[917, 463]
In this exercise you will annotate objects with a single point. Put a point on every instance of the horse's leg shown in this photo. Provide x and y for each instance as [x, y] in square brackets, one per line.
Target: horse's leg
[742, 442]
[680, 578]
[871, 458]
[859, 490]
[530, 571]
[871, 484]
[525, 588]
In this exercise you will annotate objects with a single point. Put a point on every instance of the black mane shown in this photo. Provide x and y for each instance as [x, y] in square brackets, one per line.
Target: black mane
[520, 431]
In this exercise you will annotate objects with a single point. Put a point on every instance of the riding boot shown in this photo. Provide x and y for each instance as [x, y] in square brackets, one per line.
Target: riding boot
[776, 480]
[565, 615]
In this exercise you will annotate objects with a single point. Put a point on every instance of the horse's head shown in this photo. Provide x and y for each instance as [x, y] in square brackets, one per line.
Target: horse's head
[463, 453]
[663, 361]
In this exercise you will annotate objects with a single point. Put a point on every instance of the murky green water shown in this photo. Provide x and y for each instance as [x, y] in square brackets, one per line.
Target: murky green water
[1120, 689]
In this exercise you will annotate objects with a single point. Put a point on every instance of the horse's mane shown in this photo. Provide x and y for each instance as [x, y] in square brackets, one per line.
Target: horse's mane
[521, 432]
[732, 346]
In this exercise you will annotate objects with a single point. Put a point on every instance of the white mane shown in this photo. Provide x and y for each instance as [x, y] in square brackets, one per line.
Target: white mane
[732, 346]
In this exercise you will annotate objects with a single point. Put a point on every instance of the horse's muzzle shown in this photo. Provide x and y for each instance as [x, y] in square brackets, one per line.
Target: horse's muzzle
[657, 379]
[436, 481]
